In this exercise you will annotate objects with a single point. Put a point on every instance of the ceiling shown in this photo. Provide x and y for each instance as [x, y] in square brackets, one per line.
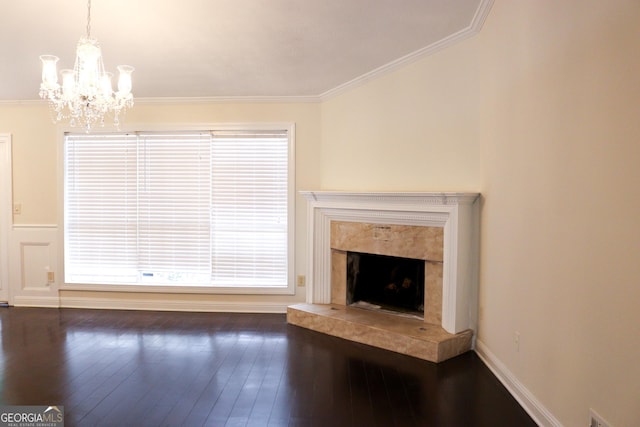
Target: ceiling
[231, 48]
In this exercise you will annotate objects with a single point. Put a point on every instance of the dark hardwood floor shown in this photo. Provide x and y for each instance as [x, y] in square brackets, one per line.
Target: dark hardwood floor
[133, 368]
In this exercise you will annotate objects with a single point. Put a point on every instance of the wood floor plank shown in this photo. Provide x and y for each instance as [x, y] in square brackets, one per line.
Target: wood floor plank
[135, 368]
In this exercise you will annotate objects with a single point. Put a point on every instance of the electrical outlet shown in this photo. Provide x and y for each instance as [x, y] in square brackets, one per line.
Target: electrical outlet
[300, 280]
[595, 420]
[51, 277]
[516, 340]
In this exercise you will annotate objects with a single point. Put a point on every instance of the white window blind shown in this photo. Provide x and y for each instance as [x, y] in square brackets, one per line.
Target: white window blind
[249, 208]
[174, 208]
[101, 194]
[177, 208]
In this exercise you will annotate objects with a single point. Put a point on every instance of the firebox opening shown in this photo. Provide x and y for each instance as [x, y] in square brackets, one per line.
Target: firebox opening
[386, 283]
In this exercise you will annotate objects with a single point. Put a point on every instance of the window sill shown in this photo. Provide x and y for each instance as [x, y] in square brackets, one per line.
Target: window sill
[210, 290]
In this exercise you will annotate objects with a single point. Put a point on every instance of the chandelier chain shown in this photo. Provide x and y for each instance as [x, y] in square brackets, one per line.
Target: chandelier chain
[89, 19]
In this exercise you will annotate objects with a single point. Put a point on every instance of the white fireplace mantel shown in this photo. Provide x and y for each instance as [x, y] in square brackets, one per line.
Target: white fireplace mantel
[457, 213]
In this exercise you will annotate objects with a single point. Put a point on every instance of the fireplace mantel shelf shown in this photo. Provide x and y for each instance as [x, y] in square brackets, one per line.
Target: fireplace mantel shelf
[392, 197]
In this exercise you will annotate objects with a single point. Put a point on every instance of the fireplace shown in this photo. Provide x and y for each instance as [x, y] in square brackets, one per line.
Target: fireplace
[385, 247]
[438, 231]
[386, 283]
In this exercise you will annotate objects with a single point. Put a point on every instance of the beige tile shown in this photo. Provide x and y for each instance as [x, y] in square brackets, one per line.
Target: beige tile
[338, 277]
[416, 242]
[407, 241]
[402, 335]
[433, 293]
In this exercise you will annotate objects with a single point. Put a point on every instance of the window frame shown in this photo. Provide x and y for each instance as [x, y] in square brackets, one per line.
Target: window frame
[171, 289]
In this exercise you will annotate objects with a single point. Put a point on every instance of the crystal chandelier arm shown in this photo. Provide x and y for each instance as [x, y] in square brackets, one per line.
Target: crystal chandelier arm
[49, 71]
[124, 79]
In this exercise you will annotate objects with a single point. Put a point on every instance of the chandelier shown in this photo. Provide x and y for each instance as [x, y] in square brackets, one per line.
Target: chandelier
[86, 94]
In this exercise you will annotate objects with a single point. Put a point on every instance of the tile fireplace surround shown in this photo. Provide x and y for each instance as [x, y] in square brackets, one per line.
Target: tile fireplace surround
[439, 228]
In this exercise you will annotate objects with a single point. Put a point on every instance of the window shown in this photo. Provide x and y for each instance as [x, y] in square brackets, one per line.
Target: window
[207, 209]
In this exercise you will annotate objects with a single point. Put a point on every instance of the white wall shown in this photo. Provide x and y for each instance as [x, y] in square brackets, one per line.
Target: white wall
[411, 130]
[560, 224]
[540, 112]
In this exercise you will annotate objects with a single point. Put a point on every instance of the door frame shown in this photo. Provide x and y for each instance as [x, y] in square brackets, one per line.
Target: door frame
[6, 214]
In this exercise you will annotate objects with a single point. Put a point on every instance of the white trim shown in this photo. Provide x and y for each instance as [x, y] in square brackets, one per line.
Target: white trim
[525, 398]
[167, 305]
[209, 290]
[6, 213]
[306, 99]
[36, 301]
[472, 29]
[32, 226]
[455, 212]
[477, 22]
[173, 126]
[33, 254]
[16, 102]
[311, 99]
[291, 211]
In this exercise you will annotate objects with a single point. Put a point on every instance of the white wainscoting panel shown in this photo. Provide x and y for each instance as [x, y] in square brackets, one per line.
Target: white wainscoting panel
[33, 256]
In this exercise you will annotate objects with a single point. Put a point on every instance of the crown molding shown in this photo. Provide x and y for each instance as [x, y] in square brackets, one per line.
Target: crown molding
[229, 100]
[17, 102]
[193, 100]
[472, 29]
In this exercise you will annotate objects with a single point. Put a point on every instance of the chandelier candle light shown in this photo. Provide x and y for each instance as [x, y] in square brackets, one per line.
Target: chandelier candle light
[86, 94]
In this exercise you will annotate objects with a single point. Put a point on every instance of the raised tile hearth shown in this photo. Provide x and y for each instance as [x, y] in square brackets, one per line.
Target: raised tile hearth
[402, 335]
[439, 229]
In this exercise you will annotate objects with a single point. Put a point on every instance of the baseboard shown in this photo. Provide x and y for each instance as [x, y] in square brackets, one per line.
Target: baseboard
[525, 398]
[156, 305]
[30, 301]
